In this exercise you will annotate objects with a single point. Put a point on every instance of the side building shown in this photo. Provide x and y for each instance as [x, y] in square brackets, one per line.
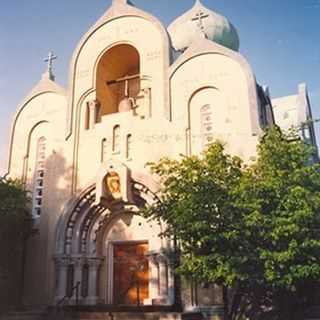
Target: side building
[294, 112]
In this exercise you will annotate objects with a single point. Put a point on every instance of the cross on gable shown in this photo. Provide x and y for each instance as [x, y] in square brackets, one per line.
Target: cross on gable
[199, 17]
[51, 57]
[115, 2]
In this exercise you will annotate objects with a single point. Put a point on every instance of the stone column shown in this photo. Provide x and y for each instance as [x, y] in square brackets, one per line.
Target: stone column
[153, 285]
[163, 281]
[94, 265]
[163, 276]
[93, 112]
[78, 263]
[171, 284]
[62, 268]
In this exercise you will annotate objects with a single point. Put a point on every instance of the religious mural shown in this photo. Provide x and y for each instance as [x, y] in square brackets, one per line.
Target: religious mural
[113, 185]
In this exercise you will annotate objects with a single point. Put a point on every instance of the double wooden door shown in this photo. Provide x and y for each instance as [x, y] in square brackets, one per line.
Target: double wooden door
[131, 273]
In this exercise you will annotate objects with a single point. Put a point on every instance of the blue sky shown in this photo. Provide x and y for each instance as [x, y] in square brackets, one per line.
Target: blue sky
[279, 38]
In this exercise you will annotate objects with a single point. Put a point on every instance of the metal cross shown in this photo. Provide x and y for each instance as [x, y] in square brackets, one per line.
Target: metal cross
[199, 18]
[126, 80]
[51, 57]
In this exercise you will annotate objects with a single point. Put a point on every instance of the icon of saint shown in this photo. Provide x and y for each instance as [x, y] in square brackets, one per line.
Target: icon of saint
[113, 185]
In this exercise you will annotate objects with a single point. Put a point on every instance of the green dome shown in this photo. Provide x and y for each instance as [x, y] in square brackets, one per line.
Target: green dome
[202, 22]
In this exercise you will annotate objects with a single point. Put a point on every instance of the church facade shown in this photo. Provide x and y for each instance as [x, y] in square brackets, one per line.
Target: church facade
[137, 92]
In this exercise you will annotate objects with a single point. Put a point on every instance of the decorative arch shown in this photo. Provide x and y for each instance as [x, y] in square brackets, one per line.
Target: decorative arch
[206, 48]
[114, 14]
[85, 244]
[44, 127]
[43, 87]
[83, 218]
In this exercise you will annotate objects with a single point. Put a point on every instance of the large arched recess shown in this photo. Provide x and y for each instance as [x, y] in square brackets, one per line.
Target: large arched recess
[120, 24]
[82, 218]
[122, 60]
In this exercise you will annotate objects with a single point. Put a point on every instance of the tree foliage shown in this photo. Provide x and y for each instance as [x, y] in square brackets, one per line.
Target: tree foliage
[252, 229]
[15, 226]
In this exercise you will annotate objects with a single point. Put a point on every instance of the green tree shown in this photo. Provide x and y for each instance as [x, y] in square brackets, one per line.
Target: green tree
[251, 229]
[281, 193]
[15, 227]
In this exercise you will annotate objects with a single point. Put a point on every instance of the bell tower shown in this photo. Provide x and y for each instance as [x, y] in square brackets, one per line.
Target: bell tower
[118, 79]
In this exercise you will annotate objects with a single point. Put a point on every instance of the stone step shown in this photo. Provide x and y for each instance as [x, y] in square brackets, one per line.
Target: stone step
[73, 315]
[313, 313]
[113, 316]
[23, 315]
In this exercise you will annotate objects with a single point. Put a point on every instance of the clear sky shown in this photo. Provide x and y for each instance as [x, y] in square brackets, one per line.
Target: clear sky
[279, 38]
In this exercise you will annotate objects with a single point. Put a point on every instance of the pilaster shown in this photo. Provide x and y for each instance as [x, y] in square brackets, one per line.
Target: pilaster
[62, 269]
[94, 265]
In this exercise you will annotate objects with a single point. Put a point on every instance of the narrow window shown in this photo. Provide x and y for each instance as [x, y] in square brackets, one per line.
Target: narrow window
[87, 117]
[104, 150]
[39, 175]
[129, 146]
[97, 114]
[116, 139]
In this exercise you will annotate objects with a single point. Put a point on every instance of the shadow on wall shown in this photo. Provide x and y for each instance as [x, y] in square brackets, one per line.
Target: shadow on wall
[39, 249]
[58, 182]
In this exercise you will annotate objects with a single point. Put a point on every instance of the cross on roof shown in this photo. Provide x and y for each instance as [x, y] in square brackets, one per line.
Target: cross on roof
[199, 17]
[51, 57]
[121, 2]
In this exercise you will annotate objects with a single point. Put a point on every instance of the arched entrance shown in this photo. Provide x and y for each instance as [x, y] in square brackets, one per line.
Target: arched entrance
[116, 254]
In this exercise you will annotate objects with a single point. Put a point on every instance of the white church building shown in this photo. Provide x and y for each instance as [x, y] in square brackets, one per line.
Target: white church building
[137, 92]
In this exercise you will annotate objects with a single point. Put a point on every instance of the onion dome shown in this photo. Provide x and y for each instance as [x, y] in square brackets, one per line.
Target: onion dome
[202, 22]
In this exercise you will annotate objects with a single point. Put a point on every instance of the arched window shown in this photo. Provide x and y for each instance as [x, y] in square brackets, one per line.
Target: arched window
[39, 175]
[206, 125]
[103, 150]
[116, 139]
[129, 146]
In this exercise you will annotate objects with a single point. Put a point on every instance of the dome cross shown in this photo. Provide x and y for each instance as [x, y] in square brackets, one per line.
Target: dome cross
[51, 57]
[199, 17]
[121, 2]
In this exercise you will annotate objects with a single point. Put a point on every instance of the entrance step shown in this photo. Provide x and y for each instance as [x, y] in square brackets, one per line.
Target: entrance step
[23, 315]
[313, 313]
[60, 314]
[114, 316]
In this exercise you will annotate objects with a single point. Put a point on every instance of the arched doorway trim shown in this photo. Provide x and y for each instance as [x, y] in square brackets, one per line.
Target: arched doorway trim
[84, 250]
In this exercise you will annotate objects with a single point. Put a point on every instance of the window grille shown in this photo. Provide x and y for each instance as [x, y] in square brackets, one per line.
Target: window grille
[206, 125]
[39, 177]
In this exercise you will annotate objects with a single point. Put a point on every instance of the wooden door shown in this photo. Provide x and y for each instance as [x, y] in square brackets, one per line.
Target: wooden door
[131, 273]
